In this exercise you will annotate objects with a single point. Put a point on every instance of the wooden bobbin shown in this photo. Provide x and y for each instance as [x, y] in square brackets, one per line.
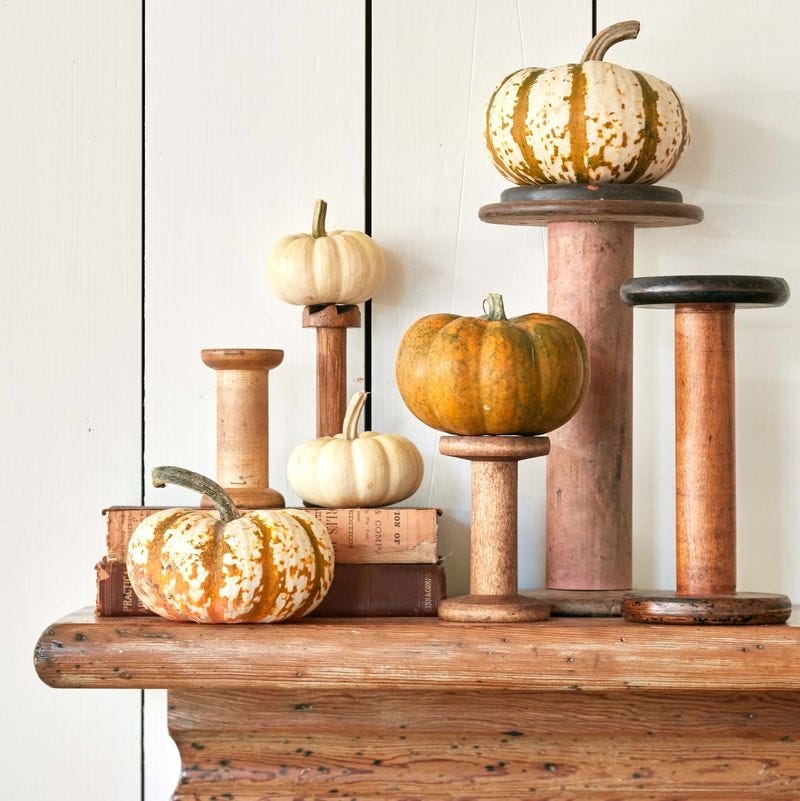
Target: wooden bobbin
[705, 478]
[331, 322]
[242, 424]
[493, 591]
[590, 232]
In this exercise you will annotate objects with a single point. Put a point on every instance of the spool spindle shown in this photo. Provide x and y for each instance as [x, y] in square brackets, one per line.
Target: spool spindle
[331, 322]
[493, 591]
[589, 486]
[243, 424]
[705, 478]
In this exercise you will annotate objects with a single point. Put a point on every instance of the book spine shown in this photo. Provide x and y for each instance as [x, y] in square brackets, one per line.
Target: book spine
[115, 595]
[375, 536]
[381, 590]
[366, 590]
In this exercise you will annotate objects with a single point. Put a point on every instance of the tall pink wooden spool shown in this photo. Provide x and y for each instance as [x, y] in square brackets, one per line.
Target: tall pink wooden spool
[589, 488]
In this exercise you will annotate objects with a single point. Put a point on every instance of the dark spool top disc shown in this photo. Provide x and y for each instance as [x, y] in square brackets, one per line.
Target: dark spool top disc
[744, 291]
[540, 192]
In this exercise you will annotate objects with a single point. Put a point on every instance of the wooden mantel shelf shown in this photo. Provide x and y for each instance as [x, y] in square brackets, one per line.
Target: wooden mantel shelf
[602, 654]
[423, 710]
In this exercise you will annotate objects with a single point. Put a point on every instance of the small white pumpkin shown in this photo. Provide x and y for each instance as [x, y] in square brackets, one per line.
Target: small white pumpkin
[591, 122]
[351, 470]
[316, 269]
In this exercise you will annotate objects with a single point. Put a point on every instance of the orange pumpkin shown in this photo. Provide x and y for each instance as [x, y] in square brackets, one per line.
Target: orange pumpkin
[225, 567]
[492, 375]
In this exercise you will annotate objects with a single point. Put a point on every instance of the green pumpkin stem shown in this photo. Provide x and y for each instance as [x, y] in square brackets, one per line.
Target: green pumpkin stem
[609, 36]
[194, 481]
[353, 414]
[493, 308]
[318, 223]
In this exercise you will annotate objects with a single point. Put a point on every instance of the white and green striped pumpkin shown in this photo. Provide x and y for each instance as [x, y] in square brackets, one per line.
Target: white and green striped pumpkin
[591, 122]
[221, 566]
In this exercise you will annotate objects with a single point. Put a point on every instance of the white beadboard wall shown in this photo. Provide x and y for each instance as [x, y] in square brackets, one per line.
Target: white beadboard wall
[253, 110]
[70, 334]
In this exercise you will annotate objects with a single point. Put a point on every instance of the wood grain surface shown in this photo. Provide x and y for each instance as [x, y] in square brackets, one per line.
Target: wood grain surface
[331, 322]
[705, 447]
[493, 584]
[590, 470]
[243, 423]
[641, 213]
[493, 744]
[560, 654]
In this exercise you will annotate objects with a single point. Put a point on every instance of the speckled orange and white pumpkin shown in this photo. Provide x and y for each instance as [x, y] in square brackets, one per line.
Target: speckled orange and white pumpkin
[591, 122]
[219, 566]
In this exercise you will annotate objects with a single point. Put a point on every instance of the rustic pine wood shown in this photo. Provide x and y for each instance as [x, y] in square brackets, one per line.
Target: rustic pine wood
[243, 424]
[494, 592]
[589, 484]
[424, 710]
[705, 469]
[581, 654]
[331, 322]
[484, 745]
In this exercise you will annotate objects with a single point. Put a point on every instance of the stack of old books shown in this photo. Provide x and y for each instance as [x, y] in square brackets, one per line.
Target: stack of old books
[387, 563]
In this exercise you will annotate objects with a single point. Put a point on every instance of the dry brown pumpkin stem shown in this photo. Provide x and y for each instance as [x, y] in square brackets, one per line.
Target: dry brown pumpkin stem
[493, 308]
[613, 34]
[318, 222]
[181, 477]
[353, 414]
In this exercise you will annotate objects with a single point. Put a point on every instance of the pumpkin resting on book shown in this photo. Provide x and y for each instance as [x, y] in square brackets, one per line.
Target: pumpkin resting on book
[221, 566]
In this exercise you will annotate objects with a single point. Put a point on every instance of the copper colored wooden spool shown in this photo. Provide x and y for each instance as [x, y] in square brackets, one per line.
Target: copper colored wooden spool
[242, 424]
[331, 322]
[705, 479]
[493, 590]
[590, 231]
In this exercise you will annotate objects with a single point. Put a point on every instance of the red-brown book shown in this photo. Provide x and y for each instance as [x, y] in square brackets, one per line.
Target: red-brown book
[360, 590]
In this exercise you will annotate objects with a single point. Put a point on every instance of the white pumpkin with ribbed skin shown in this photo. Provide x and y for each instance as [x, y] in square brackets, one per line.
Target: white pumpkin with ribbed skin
[262, 566]
[344, 267]
[591, 122]
[347, 470]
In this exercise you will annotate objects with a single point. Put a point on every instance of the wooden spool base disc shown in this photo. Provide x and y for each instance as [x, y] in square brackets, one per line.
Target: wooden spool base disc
[251, 498]
[643, 206]
[493, 609]
[580, 603]
[739, 609]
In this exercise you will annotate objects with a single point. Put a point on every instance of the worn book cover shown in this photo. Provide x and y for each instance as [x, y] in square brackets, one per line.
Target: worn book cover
[361, 590]
[382, 535]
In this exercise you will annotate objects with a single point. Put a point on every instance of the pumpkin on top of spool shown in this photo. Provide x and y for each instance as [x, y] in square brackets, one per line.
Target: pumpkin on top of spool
[221, 566]
[316, 269]
[352, 469]
[591, 122]
[491, 375]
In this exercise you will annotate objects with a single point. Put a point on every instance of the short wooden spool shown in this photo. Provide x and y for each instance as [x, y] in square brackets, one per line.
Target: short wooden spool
[243, 424]
[331, 322]
[704, 451]
[493, 595]
[590, 230]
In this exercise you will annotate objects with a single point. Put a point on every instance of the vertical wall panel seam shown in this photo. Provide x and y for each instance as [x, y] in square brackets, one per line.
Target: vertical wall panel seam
[142, 369]
[368, 202]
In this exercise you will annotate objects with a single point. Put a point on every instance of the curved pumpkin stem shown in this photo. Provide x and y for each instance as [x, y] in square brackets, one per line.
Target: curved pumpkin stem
[199, 483]
[493, 308]
[353, 414]
[609, 36]
[318, 221]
